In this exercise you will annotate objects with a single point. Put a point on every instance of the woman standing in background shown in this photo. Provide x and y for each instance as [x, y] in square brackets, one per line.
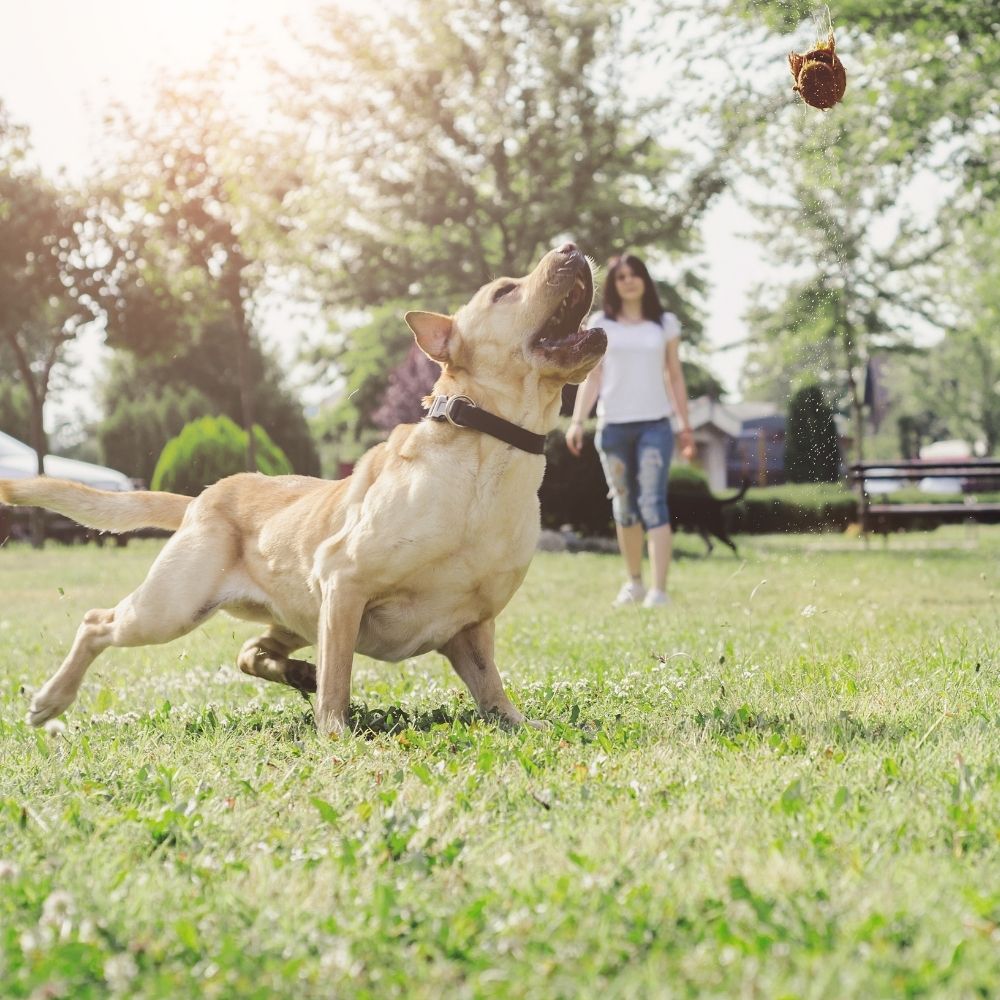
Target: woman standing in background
[638, 386]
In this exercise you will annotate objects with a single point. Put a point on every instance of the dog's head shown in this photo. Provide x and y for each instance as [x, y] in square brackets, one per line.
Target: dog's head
[520, 326]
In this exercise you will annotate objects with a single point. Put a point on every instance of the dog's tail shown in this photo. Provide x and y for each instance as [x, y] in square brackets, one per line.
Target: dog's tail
[737, 497]
[100, 509]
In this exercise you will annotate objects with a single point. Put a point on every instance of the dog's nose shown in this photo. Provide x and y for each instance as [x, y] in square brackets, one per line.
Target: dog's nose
[568, 248]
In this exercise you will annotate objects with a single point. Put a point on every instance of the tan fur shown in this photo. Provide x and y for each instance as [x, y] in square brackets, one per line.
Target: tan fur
[116, 512]
[418, 550]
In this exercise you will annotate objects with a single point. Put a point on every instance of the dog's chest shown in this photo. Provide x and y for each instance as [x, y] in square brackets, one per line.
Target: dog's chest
[479, 560]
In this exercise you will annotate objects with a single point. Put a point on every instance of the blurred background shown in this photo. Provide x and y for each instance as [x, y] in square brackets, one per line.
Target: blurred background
[213, 215]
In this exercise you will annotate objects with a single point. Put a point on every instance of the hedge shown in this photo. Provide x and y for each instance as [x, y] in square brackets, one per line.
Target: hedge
[209, 449]
[574, 493]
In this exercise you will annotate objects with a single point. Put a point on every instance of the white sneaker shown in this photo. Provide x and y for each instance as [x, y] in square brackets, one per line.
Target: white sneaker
[656, 599]
[631, 593]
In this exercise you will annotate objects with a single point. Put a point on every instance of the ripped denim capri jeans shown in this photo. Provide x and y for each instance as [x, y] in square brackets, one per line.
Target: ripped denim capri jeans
[636, 458]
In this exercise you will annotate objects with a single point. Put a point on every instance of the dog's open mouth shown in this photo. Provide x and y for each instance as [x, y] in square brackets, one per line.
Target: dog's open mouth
[563, 332]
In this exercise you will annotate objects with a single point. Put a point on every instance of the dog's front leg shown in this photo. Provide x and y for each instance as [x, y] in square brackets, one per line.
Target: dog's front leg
[339, 621]
[471, 654]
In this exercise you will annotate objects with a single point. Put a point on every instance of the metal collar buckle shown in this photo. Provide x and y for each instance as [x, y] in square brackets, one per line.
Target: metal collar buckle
[442, 406]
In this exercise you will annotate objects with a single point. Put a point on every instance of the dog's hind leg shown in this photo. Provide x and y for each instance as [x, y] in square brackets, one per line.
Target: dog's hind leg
[180, 592]
[471, 654]
[267, 657]
[706, 538]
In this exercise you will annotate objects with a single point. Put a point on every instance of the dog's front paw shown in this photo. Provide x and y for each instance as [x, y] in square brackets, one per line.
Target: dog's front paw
[511, 718]
[47, 704]
[332, 725]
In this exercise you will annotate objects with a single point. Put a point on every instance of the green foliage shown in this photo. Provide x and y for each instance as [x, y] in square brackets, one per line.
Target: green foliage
[47, 279]
[209, 449]
[812, 449]
[794, 509]
[574, 491]
[367, 355]
[191, 221]
[148, 399]
[507, 128]
[15, 410]
[135, 431]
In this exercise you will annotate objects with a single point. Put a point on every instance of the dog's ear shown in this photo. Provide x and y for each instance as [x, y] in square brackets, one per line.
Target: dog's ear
[433, 332]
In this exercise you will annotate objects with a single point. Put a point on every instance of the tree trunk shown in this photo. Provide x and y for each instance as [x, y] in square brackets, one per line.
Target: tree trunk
[37, 391]
[852, 363]
[246, 390]
[858, 415]
[232, 283]
[40, 442]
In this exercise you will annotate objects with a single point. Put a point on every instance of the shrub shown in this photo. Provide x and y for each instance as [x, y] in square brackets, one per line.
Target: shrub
[812, 451]
[574, 492]
[134, 431]
[795, 507]
[147, 400]
[209, 449]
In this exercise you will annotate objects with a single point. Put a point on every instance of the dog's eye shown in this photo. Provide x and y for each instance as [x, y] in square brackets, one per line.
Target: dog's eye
[503, 290]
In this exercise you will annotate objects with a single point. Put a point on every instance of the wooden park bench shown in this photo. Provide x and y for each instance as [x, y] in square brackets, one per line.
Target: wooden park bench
[877, 513]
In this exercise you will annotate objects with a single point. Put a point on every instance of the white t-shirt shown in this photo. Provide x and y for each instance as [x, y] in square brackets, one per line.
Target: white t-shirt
[632, 383]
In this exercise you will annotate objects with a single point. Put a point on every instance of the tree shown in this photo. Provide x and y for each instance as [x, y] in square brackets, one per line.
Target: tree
[192, 217]
[812, 451]
[460, 139]
[46, 280]
[455, 141]
[958, 378]
[876, 189]
[935, 72]
[147, 400]
[831, 216]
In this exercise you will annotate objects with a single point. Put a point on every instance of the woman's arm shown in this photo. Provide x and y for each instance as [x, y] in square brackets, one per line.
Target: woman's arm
[673, 378]
[586, 396]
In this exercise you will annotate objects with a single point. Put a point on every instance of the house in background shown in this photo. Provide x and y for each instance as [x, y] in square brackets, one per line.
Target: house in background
[737, 442]
[714, 427]
[757, 454]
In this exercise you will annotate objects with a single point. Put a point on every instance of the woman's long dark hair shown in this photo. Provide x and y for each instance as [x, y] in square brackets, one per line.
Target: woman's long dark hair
[652, 308]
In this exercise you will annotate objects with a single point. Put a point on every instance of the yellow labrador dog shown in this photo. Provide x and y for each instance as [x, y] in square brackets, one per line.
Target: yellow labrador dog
[418, 550]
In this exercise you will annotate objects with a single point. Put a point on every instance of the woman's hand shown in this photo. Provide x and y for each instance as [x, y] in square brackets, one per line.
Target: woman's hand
[574, 438]
[686, 441]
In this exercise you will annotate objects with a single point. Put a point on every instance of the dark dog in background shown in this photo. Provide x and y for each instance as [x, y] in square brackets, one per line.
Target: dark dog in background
[693, 508]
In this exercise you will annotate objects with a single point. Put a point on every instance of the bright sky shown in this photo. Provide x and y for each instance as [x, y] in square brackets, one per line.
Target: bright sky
[62, 62]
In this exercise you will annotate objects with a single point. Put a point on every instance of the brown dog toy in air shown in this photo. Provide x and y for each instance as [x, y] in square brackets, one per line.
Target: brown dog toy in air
[820, 78]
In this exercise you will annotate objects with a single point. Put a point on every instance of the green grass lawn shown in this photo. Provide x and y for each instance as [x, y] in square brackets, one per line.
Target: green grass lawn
[788, 785]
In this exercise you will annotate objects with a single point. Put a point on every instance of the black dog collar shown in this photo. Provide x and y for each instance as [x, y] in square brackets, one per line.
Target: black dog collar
[460, 411]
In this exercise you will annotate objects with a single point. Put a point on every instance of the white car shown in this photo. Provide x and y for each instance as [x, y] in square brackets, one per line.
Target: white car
[18, 461]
